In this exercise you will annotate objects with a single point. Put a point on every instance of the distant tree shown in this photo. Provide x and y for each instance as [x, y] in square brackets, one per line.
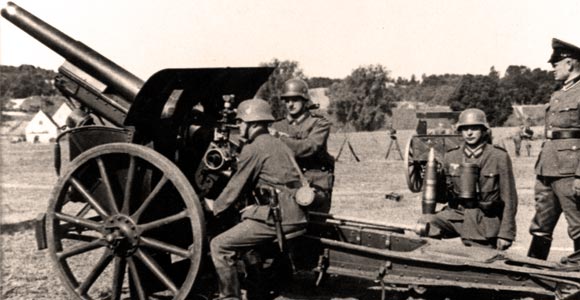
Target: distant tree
[320, 82]
[517, 86]
[271, 89]
[413, 79]
[546, 85]
[25, 81]
[493, 73]
[480, 91]
[363, 98]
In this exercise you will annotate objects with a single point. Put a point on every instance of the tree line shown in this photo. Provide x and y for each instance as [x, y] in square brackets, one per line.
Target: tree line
[366, 97]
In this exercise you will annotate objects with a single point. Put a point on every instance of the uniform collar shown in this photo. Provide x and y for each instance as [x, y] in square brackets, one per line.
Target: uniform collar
[473, 152]
[298, 120]
[571, 83]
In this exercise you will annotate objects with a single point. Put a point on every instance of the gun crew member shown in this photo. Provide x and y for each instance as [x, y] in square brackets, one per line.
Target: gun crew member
[307, 135]
[264, 162]
[557, 187]
[480, 189]
[523, 137]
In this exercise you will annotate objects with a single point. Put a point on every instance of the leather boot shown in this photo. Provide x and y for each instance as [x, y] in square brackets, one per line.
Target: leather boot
[228, 283]
[540, 247]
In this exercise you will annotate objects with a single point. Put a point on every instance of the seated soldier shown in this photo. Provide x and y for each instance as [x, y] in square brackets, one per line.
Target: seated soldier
[481, 193]
[307, 135]
[264, 162]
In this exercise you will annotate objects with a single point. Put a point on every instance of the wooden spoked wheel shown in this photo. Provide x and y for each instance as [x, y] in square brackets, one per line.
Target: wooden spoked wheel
[124, 222]
[414, 170]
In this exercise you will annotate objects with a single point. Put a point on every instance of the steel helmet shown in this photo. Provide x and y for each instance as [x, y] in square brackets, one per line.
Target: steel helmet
[295, 88]
[472, 116]
[254, 110]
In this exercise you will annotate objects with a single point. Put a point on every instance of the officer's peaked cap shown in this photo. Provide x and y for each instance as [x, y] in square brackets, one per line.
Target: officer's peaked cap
[563, 50]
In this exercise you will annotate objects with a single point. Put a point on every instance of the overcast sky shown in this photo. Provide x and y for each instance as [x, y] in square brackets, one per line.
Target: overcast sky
[328, 38]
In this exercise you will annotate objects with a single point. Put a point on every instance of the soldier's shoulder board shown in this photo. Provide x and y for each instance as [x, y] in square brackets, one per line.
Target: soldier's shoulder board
[499, 147]
[454, 148]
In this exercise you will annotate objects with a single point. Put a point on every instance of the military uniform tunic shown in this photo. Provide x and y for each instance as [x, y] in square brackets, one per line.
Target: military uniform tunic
[558, 164]
[489, 217]
[264, 161]
[308, 137]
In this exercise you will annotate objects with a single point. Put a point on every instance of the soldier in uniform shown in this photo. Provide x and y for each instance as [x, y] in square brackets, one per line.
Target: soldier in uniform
[481, 192]
[307, 135]
[264, 162]
[526, 134]
[517, 139]
[523, 137]
[557, 186]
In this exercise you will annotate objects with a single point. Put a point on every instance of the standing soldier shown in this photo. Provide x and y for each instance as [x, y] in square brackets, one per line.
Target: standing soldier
[517, 138]
[481, 191]
[526, 135]
[557, 186]
[307, 135]
[264, 163]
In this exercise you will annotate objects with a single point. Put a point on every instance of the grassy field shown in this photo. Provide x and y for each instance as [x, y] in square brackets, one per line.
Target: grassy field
[28, 175]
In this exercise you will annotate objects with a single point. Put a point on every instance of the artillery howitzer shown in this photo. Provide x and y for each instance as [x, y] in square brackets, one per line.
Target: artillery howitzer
[127, 215]
[418, 146]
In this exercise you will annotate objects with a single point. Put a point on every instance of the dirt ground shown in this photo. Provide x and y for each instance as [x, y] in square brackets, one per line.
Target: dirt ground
[27, 176]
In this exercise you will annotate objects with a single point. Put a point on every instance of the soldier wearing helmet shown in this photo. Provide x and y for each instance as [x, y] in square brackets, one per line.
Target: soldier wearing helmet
[307, 135]
[264, 162]
[557, 187]
[480, 189]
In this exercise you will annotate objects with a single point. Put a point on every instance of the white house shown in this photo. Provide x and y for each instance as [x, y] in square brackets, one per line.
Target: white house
[61, 114]
[41, 129]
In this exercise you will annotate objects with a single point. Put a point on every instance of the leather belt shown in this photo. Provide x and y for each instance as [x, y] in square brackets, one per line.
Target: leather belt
[469, 203]
[563, 134]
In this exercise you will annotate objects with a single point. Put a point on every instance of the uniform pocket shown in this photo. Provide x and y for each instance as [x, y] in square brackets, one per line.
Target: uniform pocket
[489, 185]
[489, 182]
[567, 160]
[568, 116]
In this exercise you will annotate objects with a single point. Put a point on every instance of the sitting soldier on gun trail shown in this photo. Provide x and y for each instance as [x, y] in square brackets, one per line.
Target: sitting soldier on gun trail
[307, 135]
[264, 163]
[480, 189]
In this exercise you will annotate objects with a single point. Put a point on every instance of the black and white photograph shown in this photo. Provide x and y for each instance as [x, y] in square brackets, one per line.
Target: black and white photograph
[290, 150]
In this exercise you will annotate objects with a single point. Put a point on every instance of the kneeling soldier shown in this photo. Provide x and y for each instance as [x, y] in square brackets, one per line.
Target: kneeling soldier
[265, 162]
[480, 189]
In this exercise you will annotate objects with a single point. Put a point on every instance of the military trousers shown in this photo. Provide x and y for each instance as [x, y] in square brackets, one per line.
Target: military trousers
[464, 223]
[554, 195]
[244, 236]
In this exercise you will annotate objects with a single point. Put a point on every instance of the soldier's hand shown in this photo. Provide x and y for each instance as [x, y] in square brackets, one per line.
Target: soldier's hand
[273, 132]
[503, 244]
[577, 187]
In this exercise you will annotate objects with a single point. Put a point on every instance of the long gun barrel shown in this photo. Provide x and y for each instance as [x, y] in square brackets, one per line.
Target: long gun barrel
[122, 81]
[92, 79]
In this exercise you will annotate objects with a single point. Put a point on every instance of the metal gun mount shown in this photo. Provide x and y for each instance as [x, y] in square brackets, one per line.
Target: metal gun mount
[125, 218]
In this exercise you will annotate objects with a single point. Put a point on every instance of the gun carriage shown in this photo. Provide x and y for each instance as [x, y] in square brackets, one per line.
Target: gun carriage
[127, 216]
[418, 146]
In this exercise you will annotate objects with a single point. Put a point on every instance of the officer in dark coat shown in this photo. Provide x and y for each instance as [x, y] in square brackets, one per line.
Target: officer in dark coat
[557, 186]
[265, 161]
[307, 135]
[481, 191]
